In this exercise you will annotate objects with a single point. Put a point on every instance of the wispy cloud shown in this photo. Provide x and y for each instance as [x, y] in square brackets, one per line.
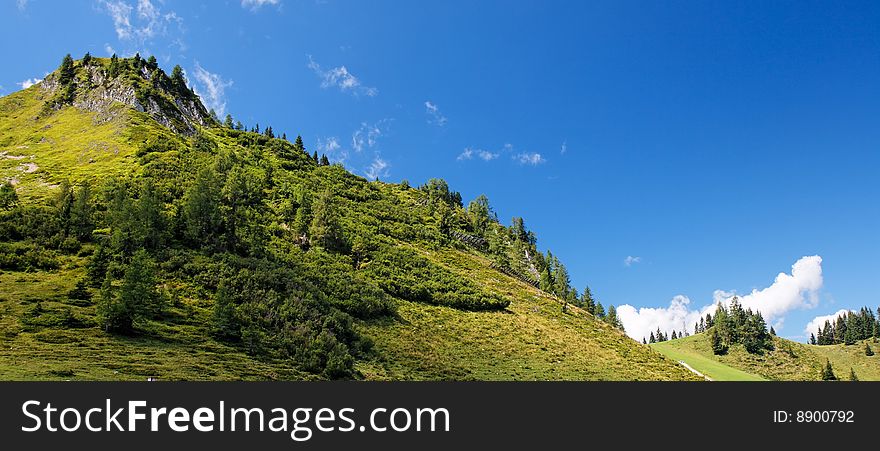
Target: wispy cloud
[254, 5]
[532, 159]
[109, 49]
[211, 88]
[341, 78]
[378, 168]
[367, 135]
[434, 115]
[631, 260]
[798, 290]
[141, 22]
[563, 148]
[29, 82]
[21, 4]
[332, 148]
[469, 153]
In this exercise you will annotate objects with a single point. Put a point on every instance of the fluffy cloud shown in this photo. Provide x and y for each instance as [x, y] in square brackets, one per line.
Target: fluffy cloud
[434, 115]
[797, 290]
[341, 78]
[466, 154]
[29, 82]
[630, 260]
[533, 159]
[819, 321]
[212, 89]
[254, 5]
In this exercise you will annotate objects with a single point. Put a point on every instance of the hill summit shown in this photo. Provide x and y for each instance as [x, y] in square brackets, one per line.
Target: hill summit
[140, 237]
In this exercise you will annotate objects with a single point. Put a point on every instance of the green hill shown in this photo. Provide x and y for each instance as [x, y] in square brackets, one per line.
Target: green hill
[787, 361]
[140, 236]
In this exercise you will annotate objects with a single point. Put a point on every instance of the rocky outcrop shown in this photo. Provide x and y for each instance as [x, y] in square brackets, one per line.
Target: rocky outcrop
[98, 93]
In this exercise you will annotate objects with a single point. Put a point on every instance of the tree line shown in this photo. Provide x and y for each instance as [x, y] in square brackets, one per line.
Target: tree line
[848, 328]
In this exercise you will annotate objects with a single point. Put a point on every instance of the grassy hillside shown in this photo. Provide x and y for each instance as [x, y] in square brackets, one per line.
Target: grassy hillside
[191, 250]
[788, 361]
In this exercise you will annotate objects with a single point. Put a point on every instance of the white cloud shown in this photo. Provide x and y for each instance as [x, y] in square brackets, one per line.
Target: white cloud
[21, 4]
[630, 260]
[29, 82]
[340, 77]
[533, 159]
[378, 168]
[563, 148]
[819, 321]
[141, 22]
[434, 115]
[367, 136]
[798, 290]
[109, 49]
[254, 5]
[332, 148]
[212, 89]
[485, 155]
[469, 153]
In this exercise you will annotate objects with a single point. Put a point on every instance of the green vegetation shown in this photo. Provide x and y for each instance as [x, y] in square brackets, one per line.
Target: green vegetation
[164, 243]
[787, 360]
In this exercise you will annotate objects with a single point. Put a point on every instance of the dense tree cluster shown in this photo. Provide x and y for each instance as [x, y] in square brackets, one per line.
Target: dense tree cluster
[736, 325]
[849, 328]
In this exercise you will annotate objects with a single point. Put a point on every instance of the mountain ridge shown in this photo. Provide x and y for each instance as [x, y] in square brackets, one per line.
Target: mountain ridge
[156, 241]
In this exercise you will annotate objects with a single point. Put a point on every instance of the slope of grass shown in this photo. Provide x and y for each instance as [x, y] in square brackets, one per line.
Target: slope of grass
[532, 340]
[38, 152]
[680, 351]
[45, 335]
[788, 361]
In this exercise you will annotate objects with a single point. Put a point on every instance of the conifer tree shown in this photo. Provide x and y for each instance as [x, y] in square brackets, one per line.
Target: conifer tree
[828, 372]
[812, 339]
[652, 339]
[298, 144]
[324, 229]
[324, 160]
[228, 122]
[868, 351]
[852, 375]
[65, 72]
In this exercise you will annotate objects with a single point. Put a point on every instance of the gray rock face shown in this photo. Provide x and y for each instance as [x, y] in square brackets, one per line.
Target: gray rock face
[100, 93]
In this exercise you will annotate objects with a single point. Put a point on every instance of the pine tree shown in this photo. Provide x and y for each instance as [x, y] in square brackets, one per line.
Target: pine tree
[772, 331]
[226, 323]
[812, 339]
[828, 372]
[599, 311]
[315, 157]
[852, 375]
[228, 122]
[644, 342]
[65, 72]
[674, 335]
[298, 144]
[113, 70]
[324, 229]
[652, 338]
[8, 196]
[178, 81]
[868, 351]
[87, 59]
[587, 299]
[718, 345]
[324, 160]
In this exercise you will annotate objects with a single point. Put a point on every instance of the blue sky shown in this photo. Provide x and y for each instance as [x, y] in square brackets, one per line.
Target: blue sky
[659, 148]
